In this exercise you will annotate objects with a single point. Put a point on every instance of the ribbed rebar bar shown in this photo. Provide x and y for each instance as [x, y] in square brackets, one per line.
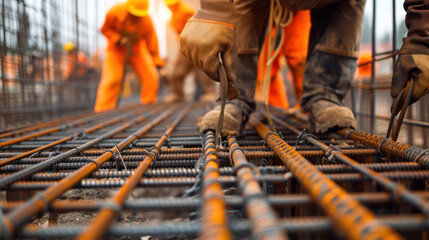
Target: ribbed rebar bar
[399, 191]
[54, 129]
[194, 203]
[262, 218]
[45, 164]
[98, 228]
[214, 220]
[75, 135]
[302, 224]
[224, 180]
[352, 219]
[388, 146]
[21, 215]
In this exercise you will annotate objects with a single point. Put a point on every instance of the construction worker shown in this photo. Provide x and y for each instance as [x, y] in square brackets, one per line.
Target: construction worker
[236, 30]
[364, 65]
[82, 61]
[181, 13]
[294, 49]
[131, 39]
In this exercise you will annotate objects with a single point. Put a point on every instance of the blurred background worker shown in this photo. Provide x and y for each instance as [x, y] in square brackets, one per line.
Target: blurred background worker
[131, 39]
[181, 13]
[73, 73]
[294, 49]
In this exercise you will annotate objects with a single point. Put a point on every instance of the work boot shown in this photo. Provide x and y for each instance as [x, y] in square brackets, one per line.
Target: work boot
[237, 111]
[325, 115]
[208, 86]
[233, 121]
[176, 95]
[208, 97]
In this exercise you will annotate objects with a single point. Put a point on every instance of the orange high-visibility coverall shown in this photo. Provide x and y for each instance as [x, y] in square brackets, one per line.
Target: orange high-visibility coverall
[365, 65]
[182, 12]
[295, 47]
[82, 62]
[144, 57]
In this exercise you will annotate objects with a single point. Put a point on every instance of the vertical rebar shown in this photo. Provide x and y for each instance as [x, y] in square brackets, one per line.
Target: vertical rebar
[214, 220]
[46, 97]
[264, 221]
[373, 43]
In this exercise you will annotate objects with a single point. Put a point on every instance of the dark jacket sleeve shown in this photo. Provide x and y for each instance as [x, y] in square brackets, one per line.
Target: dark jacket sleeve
[417, 22]
[417, 19]
[217, 11]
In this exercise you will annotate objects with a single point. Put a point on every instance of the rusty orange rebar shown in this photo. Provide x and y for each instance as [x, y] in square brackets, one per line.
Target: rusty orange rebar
[297, 199]
[352, 220]
[214, 221]
[262, 218]
[100, 225]
[21, 215]
[388, 146]
[86, 131]
[57, 128]
[11, 133]
[398, 191]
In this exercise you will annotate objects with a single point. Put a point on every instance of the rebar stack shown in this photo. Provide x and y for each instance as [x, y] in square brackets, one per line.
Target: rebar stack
[116, 169]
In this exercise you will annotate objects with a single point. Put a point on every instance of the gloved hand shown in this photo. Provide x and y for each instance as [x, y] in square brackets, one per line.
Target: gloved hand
[209, 32]
[413, 62]
[130, 36]
[124, 41]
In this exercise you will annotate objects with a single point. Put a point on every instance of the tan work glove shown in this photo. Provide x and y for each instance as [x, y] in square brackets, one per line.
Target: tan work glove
[413, 62]
[124, 41]
[209, 32]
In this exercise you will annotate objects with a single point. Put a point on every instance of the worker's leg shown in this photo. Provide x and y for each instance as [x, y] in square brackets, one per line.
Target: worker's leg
[111, 76]
[333, 49]
[176, 77]
[295, 48]
[278, 96]
[144, 66]
[208, 85]
[251, 16]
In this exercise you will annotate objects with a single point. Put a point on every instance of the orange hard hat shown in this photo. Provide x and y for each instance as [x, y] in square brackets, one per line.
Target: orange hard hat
[138, 8]
[170, 2]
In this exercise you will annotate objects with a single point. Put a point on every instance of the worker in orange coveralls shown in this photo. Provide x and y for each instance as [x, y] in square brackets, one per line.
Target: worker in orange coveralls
[131, 39]
[364, 65]
[82, 61]
[182, 12]
[295, 47]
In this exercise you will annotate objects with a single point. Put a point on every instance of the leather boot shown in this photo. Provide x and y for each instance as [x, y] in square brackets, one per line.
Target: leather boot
[176, 95]
[233, 121]
[325, 115]
[237, 111]
[209, 87]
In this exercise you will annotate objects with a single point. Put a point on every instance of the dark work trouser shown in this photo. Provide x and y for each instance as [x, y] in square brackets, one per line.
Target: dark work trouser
[333, 48]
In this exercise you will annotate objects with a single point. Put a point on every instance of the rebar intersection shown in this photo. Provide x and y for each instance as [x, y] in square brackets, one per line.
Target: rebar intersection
[267, 185]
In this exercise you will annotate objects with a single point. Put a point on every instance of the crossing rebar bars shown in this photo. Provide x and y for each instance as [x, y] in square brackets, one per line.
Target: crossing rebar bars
[263, 185]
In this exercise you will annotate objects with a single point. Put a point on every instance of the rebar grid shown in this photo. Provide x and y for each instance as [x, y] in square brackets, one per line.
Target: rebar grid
[263, 185]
